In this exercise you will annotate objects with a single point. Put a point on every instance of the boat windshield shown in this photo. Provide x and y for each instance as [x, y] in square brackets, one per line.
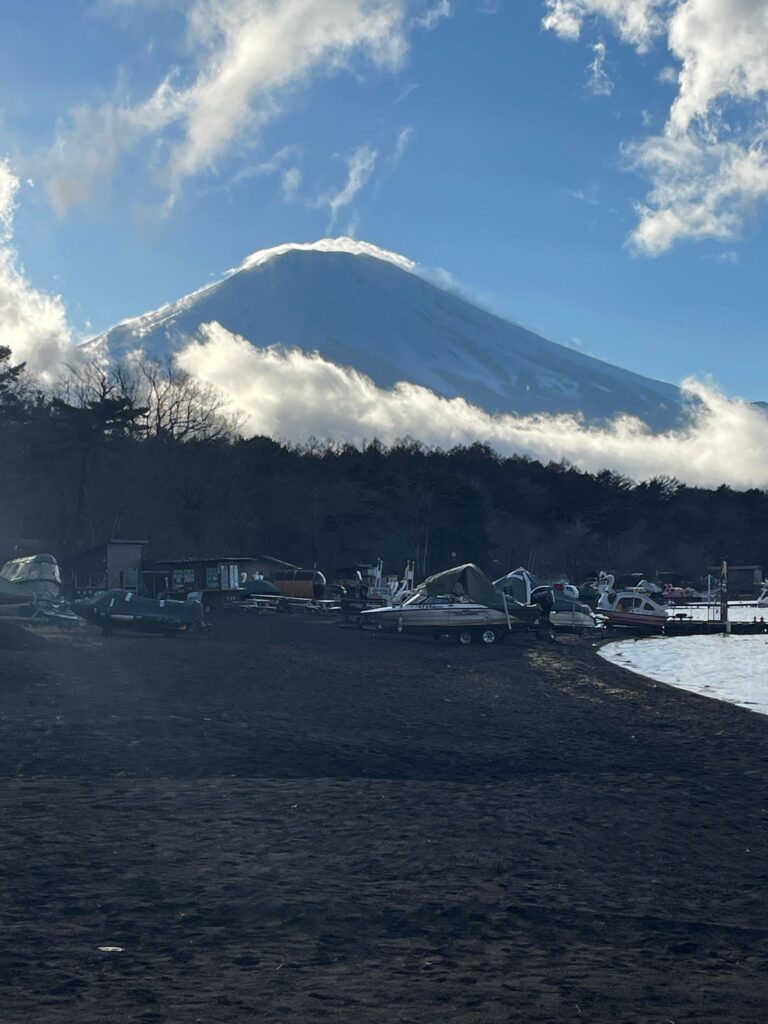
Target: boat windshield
[438, 600]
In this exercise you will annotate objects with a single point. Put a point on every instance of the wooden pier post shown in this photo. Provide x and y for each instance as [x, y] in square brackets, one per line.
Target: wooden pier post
[724, 597]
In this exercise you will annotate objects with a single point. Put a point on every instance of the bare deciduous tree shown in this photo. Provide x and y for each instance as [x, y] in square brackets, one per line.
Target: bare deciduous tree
[175, 406]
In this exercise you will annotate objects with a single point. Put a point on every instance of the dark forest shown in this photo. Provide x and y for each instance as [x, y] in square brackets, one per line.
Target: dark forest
[141, 451]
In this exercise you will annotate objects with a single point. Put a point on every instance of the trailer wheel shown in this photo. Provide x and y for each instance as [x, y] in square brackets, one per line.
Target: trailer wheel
[490, 636]
[464, 637]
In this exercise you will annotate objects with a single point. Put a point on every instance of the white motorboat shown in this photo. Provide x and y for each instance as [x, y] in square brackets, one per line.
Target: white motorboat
[762, 600]
[637, 607]
[444, 615]
[460, 604]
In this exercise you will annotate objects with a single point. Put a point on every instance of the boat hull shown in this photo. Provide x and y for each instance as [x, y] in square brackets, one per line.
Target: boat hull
[432, 620]
[572, 620]
[635, 620]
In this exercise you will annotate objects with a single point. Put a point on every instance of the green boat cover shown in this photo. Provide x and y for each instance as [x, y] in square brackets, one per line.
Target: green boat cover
[467, 580]
[12, 592]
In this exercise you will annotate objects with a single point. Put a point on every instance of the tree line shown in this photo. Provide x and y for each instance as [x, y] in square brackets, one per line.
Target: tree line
[142, 451]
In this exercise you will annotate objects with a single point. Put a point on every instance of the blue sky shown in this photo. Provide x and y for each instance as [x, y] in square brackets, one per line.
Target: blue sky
[465, 134]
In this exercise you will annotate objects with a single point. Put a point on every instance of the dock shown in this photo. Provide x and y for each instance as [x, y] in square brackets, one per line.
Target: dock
[693, 627]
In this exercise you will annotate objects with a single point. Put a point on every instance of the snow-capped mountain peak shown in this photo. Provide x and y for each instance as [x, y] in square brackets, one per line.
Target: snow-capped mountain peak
[377, 312]
[342, 244]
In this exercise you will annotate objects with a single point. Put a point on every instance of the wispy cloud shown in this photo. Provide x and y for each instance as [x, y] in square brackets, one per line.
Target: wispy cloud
[708, 169]
[724, 440]
[360, 166]
[589, 197]
[272, 165]
[599, 82]
[246, 54]
[33, 324]
[430, 17]
[290, 183]
[404, 139]
[406, 91]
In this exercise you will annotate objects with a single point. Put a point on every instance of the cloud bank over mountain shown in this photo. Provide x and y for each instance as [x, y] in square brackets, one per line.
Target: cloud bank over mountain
[293, 395]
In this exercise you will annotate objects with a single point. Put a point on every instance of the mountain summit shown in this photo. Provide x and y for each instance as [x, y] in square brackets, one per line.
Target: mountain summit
[363, 307]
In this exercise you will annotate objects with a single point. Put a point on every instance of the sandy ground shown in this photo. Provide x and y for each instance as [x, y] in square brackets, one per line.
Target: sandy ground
[289, 821]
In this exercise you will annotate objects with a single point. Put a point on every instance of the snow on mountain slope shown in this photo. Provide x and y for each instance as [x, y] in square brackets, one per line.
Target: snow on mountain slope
[363, 307]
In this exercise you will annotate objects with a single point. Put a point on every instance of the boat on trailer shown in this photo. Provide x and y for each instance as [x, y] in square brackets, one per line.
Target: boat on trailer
[460, 604]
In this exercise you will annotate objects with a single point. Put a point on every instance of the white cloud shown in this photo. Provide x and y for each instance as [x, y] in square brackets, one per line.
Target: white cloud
[360, 166]
[702, 188]
[637, 21]
[707, 169]
[247, 53]
[430, 17]
[32, 324]
[293, 395]
[723, 47]
[598, 80]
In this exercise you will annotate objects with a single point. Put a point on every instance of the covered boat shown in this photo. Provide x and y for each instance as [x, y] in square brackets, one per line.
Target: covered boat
[30, 588]
[460, 604]
[122, 609]
[518, 584]
[10, 593]
[560, 600]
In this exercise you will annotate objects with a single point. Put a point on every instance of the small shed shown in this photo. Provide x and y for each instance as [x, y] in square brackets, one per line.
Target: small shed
[742, 579]
[113, 565]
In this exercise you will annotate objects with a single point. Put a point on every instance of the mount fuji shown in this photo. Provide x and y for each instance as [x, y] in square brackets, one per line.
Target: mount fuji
[374, 311]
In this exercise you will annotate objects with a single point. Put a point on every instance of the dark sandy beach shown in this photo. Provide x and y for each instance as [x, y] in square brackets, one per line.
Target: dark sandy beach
[285, 820]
